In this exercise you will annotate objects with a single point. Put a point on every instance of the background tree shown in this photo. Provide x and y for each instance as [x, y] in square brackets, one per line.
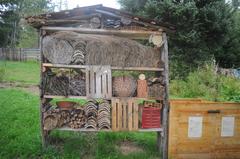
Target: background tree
[205, 29]
[14, 32]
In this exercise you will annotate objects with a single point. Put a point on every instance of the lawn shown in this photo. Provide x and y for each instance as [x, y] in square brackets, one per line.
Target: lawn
[21, 72]
[20, 135]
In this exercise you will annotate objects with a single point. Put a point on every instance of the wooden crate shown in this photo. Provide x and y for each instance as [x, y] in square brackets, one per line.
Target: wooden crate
[99, 82]
[124, 114]
[198, 130]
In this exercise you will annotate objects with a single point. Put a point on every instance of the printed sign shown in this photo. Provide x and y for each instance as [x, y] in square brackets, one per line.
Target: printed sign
[195, 126]
[227, 126]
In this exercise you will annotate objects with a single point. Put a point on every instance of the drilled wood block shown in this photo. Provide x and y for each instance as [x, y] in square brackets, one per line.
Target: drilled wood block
[124, 114]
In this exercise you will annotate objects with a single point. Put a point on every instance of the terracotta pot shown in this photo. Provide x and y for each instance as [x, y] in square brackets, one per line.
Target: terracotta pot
[67, 105]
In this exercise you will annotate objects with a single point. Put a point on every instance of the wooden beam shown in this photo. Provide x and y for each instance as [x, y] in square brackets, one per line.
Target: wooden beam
[131, 34]
[165, 123]
[60, 97]
[151, 130]
[82, 129]
[113, 68]
[64, 66]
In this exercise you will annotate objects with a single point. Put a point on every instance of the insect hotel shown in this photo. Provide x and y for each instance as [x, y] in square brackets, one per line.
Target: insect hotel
[115, 63]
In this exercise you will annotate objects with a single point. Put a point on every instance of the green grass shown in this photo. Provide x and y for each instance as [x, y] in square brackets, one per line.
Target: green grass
[20, 135]
[23, 72]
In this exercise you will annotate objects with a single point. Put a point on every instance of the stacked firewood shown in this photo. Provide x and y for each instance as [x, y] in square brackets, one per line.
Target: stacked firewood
[51, 118]
[56, 118]
[77, 119]
[94, 115]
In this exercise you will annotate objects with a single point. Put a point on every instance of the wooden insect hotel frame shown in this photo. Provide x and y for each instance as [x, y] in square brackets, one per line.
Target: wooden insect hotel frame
[84, 51]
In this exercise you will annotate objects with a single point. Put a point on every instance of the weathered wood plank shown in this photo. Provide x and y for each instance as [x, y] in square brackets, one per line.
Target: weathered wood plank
[130, 113]
[113, 67]
[135, 115]
[122, 33]
[165, 116]
[114, 115]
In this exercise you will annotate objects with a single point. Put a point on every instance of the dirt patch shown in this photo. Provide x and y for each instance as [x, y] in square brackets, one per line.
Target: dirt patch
[32, 89]
[128, 147]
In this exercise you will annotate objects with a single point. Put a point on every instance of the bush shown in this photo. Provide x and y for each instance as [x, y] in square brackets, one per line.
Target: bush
[206, 83]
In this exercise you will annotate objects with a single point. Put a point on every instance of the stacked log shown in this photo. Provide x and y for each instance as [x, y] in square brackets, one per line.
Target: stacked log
[51, 118]
[65, 118]
[78, 119]
[156, 88]
[94, 115]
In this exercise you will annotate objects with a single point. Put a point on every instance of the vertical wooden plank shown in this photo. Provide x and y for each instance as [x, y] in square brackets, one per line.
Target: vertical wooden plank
[109, 83]
[87, 81]
[124, 114]
[44, 134]
[135, 106]
[164, 140]
[120, 104]
[104, 83]
[92, 82]
[130, 115]
[98, 84]
[114, 115]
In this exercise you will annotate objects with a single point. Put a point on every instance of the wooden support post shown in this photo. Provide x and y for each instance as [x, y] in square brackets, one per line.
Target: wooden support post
[44, 133]
[165, 116]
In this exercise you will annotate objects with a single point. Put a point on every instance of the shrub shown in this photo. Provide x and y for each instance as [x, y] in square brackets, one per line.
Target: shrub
[206, 83]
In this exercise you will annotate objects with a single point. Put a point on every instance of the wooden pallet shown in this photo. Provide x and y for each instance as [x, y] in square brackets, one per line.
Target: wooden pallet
[99, 82]
[124, 115]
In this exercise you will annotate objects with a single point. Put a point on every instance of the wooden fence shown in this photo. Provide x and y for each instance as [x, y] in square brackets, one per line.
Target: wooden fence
[19, 54]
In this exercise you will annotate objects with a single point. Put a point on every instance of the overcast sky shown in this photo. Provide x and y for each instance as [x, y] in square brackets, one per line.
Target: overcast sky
[74, 3]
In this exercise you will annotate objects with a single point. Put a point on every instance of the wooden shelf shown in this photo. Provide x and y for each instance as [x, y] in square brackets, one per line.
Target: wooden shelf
[104, 130]
[132, 34]
[151, 130]
[82, 129]
[85, 97]
[113, 68]
[71, 97]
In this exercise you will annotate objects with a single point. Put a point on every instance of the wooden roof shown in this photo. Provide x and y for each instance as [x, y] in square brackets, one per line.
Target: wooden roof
[115, 18]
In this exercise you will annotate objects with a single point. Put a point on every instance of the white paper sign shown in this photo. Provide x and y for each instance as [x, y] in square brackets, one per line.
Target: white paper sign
[195, 126]
[227, 126]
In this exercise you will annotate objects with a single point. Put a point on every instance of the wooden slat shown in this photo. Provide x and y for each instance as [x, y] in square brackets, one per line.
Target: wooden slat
[122, 33]
[137, 68]
[135, 115]
[82, 129]
[113, 67]
[119, 107]
[151, 130]
[64, 66]
[130, 113]
[114, 116]
[73, 97]
[124, 117]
